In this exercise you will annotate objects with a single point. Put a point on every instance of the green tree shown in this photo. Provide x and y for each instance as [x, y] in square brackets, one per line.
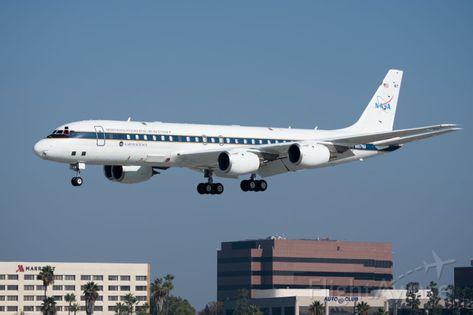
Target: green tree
[74, 308]
[413, 297]
[433, 304]
[243, 305]
[121, 309]
[362, 308]
[47, 276]
[179, 306]
[451, 300]
[143, 309]
[49, 306]
[91, 294]
[381, 311]
[316, 308]
[70, 298]
[212, 308]
[160, 290]
[130, 301]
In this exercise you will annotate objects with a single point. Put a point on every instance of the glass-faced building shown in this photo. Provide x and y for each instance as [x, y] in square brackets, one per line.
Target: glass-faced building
[21, 291]
[344, 268]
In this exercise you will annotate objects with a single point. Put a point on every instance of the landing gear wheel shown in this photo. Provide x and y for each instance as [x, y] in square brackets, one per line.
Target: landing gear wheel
[252, 185]
[244, 185]
[262, 185]
[208, 188]
[76, 181]
[218, 188]
[201, 188]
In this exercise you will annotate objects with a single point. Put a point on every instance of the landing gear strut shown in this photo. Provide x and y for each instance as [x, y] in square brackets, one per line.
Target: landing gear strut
[77, 180]
[210, 187]
[253, 185]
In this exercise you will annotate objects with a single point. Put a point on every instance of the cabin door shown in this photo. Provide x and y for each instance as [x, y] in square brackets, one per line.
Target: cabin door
[100, 136]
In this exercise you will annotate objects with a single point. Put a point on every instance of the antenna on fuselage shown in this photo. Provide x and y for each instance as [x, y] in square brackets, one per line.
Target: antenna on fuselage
[129, 119]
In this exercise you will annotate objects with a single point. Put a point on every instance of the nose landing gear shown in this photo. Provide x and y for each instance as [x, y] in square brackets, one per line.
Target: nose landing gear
[77, 180]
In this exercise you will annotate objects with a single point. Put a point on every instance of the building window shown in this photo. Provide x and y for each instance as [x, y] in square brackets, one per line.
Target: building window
[100, 287]
[29, 287]
[112, 278]
[59, 308]
[98, 308]
[141, 298]
[70, 287]
[57, 298]
[2, 308]
[39, 297]
[38, 308]
[289, 310]
[28, 298]
[98, 278]
[2, 298]
[141, 278]
[40, 287]
[57, 287]
[112, 308]
[85, 277]
[113, 288]
[125, 278]
[140, 288]
[28, 308]
[29, 277]
[12, 277]
[58, 277]
[2, 288]
[2, 277]
[70, 277]
[125, 288]
[12, 308]
[12, 298]
[12, 287]
[113, 298]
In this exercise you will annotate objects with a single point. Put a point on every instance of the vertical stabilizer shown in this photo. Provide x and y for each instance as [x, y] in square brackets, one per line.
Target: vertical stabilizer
[381, 110]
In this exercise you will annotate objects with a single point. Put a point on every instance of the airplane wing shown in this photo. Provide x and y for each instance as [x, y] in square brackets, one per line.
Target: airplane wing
[274, 153]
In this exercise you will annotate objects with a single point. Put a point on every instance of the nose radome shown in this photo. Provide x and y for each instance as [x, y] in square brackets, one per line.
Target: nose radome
[41, 148]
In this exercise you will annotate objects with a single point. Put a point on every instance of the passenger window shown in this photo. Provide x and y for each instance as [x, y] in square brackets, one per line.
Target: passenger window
[236, 140]
[83, 153]
[170, 138]
[163, 138]
[212, 139]
[245, 141]
[145, 137]
[154, 138]
[188, 139]
[73, 153]
[128, 137]
[228, 140]
[137, 137]
[269, 141]
[260, 141]
[253, 141]
[196, 139]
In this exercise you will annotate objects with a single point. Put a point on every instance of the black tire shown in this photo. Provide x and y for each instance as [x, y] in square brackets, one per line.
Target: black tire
[263, 185]
[208, 188]
[244, 185]
[73, 181]
[219, 188]
[252, 185]
[201, 188]
[79, 181]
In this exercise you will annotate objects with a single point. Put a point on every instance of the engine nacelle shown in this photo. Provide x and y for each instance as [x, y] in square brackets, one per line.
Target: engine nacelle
[238, 162]
[308, 155]
[128, 174]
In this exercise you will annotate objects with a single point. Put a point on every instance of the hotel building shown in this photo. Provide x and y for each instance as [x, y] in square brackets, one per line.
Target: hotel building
[20, 291]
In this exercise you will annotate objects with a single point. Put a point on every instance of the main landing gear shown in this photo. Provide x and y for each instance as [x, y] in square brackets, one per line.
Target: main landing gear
[77, 180]
[210, 187]
[253, 185]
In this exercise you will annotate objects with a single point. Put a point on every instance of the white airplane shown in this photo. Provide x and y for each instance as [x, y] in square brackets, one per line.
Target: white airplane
[132, 152]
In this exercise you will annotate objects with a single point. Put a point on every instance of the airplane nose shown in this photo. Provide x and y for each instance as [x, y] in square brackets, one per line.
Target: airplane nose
[41, 148]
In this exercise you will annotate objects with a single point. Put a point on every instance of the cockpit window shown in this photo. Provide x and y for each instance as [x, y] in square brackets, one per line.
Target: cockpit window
[61, 133]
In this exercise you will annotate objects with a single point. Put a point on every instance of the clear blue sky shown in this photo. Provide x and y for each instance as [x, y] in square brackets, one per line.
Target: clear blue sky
[272, 63]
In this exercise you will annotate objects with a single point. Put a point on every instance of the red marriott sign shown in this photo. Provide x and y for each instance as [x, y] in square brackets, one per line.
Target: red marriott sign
[23, 268]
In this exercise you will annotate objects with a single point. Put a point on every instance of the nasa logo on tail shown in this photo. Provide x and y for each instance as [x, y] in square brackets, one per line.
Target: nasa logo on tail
[382, 104]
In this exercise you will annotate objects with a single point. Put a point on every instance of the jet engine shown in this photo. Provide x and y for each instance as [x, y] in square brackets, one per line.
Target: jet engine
[128, 174]
[238, 162]
[308, 155]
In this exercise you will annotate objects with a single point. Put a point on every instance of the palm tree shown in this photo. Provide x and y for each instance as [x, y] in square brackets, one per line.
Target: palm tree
[121, 309]
[160, 290]
[316, 308]
[90, 294]
[47, 276]
[362, 308]
[74, 308]
[49, 306]
[130, 301]
[70, 298]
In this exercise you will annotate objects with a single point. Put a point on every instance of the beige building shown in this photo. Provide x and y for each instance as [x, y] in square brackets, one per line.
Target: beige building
[20, 291]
